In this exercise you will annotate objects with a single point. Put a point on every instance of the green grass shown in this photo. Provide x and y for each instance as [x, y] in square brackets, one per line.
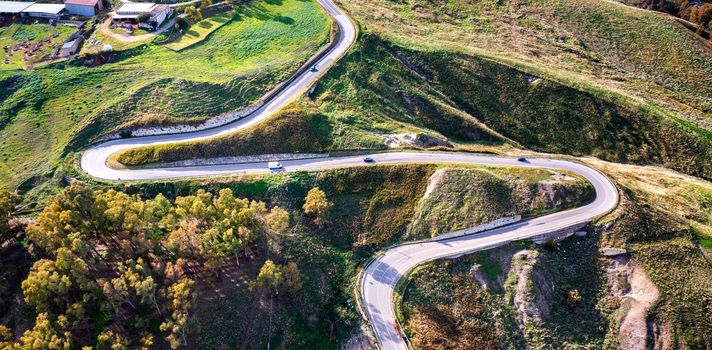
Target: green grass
[383, 87]
[599, 46]
[17, 33]
[665, 219]
[291, 130]
[444, 305]
[199, 31]
[474, 196]
[50, 111]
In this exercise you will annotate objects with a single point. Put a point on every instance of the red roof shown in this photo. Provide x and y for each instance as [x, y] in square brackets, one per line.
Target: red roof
[82, 2]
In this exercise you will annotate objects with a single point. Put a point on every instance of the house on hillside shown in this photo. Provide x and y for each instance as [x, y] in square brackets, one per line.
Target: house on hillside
[86, 8]
[50, 11]
[12, 9]
[131, 11]
[158, 15]
[71, 46]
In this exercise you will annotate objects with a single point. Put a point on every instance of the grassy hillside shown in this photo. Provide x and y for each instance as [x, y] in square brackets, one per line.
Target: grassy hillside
[462, 198]
[664, 221]
[592, 45]
[371, 208]
[45, 110]
[447, 306]
[381, 89]
[290, 130]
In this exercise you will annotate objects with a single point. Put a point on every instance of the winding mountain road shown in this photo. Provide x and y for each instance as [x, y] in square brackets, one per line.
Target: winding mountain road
[380, 276]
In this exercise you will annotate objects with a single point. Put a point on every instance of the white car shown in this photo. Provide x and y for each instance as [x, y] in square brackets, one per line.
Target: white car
[274, 165]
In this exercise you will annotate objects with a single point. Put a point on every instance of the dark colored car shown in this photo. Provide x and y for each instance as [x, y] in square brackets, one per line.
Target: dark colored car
[522, 159]
[369, 160]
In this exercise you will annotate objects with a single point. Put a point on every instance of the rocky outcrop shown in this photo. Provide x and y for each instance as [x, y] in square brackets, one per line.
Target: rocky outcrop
[360, 339]
[637, 294]
[478, 275]
[530, 287]
[417, 140]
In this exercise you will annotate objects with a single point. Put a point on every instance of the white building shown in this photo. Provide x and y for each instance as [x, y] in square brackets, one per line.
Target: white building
[86, 8]
[51, 11]
[71, 47]
[11, 9]
[130, 12]
[159, 13]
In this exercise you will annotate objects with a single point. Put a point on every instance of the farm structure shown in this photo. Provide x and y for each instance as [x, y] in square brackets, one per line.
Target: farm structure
[85, 8]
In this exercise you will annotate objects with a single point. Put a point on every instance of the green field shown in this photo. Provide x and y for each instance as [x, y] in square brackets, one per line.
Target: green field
[199, 31]
[17, 33]
[48, 111]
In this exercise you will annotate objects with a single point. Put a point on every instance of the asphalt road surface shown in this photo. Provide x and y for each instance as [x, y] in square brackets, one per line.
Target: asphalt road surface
[381, 276]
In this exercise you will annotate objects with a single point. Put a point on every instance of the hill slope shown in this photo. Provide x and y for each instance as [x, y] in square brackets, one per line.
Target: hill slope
[61, 107]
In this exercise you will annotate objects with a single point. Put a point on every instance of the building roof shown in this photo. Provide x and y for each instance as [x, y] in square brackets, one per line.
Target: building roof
[51, 9]
[158, 9]
[124, 17]
[13, 6]
[68, 44]
[132, 7]
[81, 2]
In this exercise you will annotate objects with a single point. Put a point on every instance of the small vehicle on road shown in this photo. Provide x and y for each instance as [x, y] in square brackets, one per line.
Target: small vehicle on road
[274, 166]
[314, 69]
[368, 160]
[522, 159]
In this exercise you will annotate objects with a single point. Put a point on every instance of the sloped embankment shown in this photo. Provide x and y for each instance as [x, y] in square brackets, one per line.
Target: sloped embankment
[465, 197]
[471, 99]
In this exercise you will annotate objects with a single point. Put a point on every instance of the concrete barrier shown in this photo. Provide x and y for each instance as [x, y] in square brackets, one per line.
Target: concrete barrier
[480, 228]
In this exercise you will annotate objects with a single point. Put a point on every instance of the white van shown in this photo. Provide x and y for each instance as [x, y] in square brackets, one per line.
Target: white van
[274, 165]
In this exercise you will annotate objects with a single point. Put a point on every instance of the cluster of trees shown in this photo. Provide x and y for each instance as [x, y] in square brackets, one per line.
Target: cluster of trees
[8, 201]
[193, 14]
[116, 261]
[196, 14]
[695, 11]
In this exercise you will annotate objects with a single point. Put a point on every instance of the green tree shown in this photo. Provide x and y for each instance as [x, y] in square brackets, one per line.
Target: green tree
[143, 17]
[109, 340]
[6, 338]
[317, 204]
[51, 285]
[72, 211]
[269, 278]
[8, 201]
[193, 14]
[134, 285]
[277, 220]
[184, 240]
[181, 297]
[48, 333]
[205, 3]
